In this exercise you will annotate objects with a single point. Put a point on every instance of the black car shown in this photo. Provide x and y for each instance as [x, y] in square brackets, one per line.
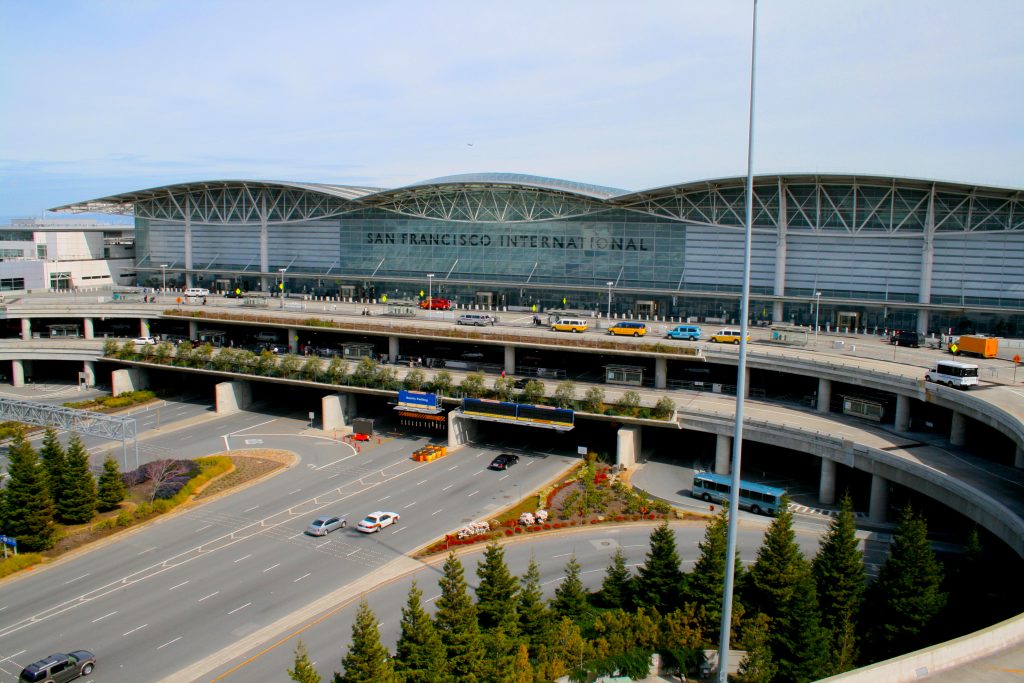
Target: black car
[504, 461]
[59, 667]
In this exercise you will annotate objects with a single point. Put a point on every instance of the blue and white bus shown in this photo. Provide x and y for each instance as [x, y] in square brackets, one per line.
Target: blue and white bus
[758, 498]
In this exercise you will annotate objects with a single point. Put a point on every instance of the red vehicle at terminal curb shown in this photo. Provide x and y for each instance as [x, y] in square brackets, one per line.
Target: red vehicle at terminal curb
[436, 304]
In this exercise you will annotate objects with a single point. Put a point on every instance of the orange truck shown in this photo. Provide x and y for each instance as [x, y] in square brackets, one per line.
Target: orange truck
[984, 347]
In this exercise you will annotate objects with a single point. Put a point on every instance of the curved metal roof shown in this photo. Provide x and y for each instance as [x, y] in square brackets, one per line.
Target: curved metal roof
[125, 201]
[522, 180]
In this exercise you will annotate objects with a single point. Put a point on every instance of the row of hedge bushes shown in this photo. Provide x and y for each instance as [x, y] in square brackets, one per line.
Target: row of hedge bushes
[122, 400]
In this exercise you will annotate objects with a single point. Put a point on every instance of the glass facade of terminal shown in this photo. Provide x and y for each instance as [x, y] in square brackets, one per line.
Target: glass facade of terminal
[862, 251]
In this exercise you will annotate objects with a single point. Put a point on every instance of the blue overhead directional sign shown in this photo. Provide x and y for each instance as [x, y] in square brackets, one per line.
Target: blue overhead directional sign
[7, 540]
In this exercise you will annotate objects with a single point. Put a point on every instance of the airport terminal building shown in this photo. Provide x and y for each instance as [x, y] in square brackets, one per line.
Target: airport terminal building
[857, 251]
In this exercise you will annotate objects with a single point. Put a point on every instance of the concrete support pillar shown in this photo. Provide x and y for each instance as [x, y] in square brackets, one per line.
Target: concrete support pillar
[777, 312]
[26, 328]
[87, 328]
[902, 420]
[393, 348]
[627, 445]
[128, 379]
[89, 370]
[878, 507]
[233, 397]
[193, 329]
[746, 382]
[660, 373]
[17, 373]
[723, 454]
[461, 431]
[188, 241]
[922, 321]
[827, 483]
[338, 411]
[143, 327]
[824, 394]
[958, 430]
[1018, 457]
[510, 360]
[293, 340]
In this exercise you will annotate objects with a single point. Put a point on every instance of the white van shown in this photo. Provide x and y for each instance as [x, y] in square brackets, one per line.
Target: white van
[197, 291]
[953, 374]
[475, 319]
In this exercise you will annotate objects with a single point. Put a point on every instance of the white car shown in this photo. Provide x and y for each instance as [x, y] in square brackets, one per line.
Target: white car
[143, 341]
[375, 521]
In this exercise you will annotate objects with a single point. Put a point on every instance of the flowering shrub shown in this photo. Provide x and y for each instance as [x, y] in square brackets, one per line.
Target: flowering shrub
[509, 532]
[519, 530]
[546, 527]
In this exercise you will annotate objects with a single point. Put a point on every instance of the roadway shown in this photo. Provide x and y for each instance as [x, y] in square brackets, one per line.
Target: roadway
[160, 597]
[327, 634]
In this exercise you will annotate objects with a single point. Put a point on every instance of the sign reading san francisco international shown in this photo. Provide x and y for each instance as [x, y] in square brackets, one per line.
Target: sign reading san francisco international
[522, 241]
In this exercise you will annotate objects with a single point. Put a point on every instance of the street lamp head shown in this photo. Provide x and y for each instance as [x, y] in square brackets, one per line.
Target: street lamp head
[609, 283]
[817, 294]
[163, 265]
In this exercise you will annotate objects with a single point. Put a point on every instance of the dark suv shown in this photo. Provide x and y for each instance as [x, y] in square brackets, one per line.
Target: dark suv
[905, 338]
[59, 668]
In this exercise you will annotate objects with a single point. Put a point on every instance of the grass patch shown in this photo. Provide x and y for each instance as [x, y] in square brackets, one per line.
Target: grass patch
[15, 563]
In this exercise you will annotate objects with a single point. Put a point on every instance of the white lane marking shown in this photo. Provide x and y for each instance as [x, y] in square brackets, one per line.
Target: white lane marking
[453, 467]
[555, 557]
[479, 473]
[245, 429]
[353, 552]
[437, 512]
[506, 476]
[134, 630]
[203, 527]
[295, 491]
[421, 483]
[334, 475]
[208, 596]
[447, 487]
[336, 461]
[409, 505]
[301, 577]
[432, 599]
[473, 494]
[381, 500]
[321, 545]
[250, 509]
[178, 586]
[273, 566]
[238, 609]
[77, 578]
[104, 616]
[149, 550]
[401, 528]
[295, 535]
[170, 642]
[243, 557]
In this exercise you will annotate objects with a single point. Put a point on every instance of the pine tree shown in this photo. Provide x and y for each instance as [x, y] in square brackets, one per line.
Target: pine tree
[970, 605]
[522, 669]
[756, 666]
[420, 655]
[111, 487]
[902, 603]
[571, 597]
[659, 578]
[840, 579]
[28, 508]
[617, 587]
[497, 593]
[303, 671]
[780, 585]
[706, 582]
[366, 660]
[54, 461]
[457, 625]
[77, 503]
[535, 619]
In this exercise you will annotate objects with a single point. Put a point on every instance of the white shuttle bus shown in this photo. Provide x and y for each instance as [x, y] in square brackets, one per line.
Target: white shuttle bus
[953, 374]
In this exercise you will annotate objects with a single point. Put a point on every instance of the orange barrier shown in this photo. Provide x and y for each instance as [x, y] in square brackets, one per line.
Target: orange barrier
[430, 453]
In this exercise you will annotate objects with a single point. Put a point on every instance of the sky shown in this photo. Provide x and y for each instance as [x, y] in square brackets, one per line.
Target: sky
[103, 96]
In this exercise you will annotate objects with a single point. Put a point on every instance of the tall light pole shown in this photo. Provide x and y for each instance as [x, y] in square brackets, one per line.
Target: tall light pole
[430, 291]
[817, 307]
[609, 313]
[741, 384]
[280, 289]
[163, 277]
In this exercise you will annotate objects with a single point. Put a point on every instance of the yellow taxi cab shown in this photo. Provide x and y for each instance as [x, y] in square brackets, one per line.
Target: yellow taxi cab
[727, 336]
[570, 325]
[628, 329]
